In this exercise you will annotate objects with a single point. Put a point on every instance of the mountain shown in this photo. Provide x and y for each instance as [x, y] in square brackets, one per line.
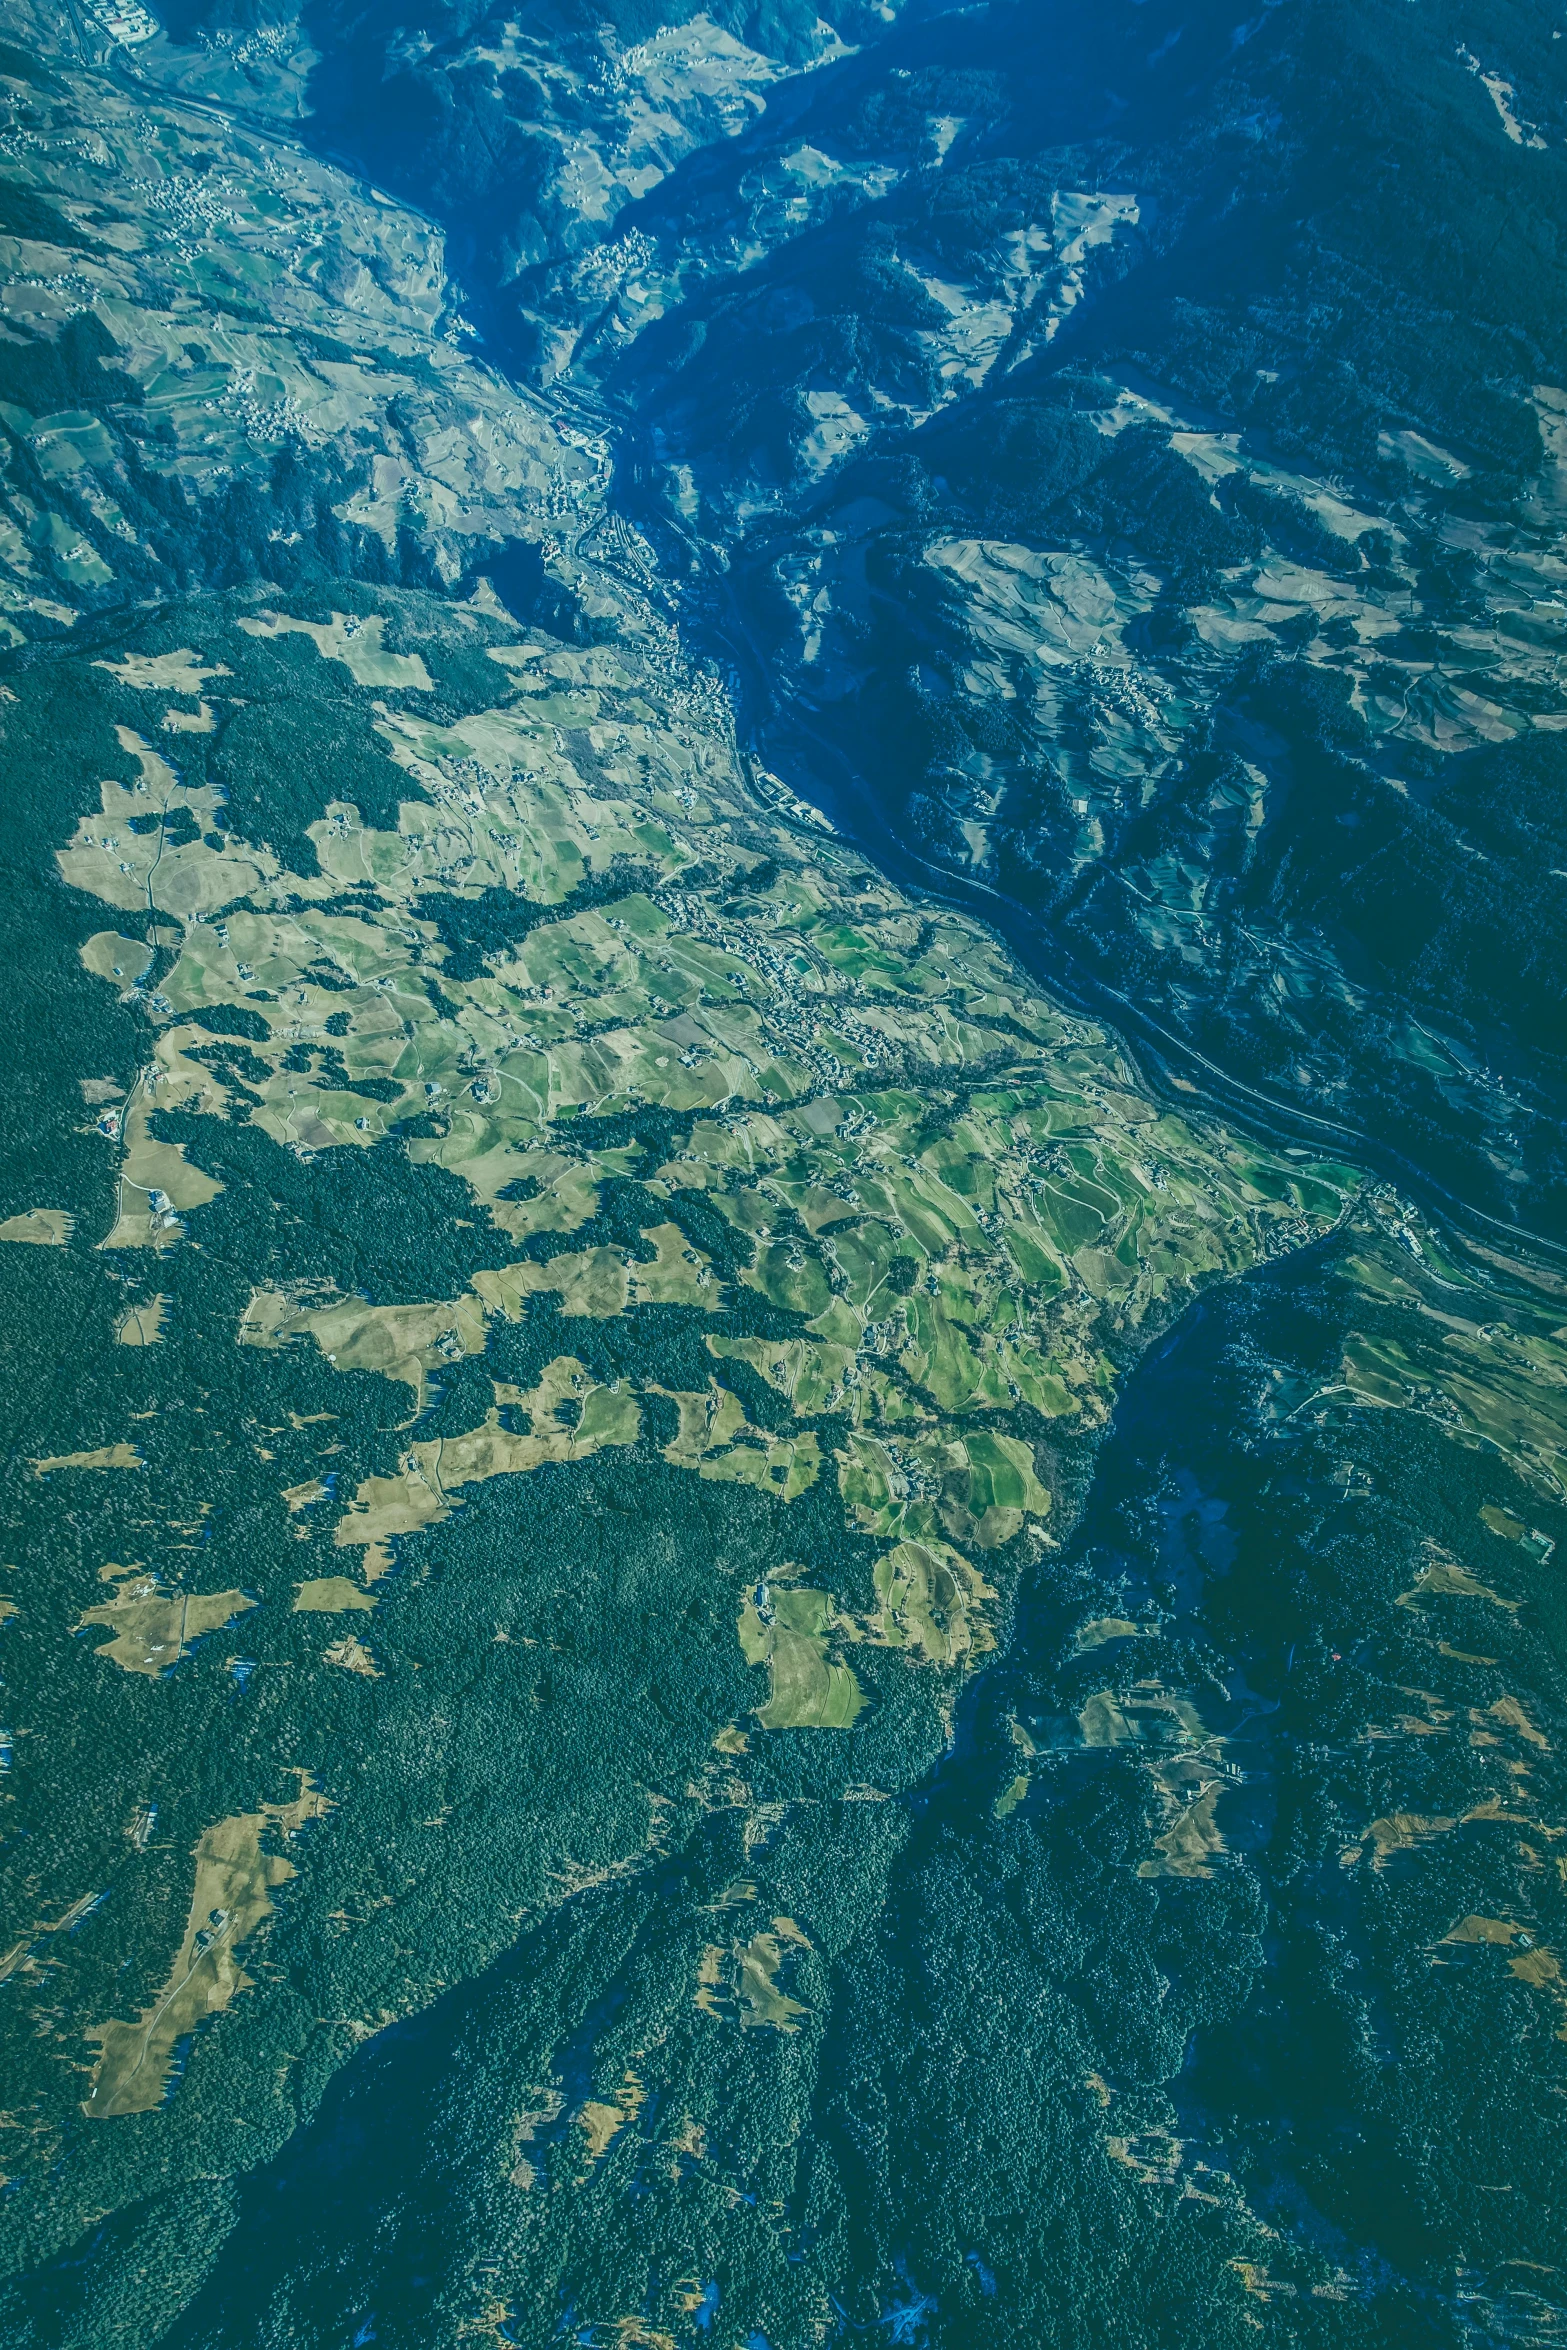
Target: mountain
[1131, 443]
[780, 1203]
[1154, 503]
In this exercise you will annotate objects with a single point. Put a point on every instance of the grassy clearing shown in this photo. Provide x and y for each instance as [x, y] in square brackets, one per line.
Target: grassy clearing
[1442, 1576]
[356, 643]
[932, 1601]
[152, 1628]
[143, 1325]
[762, 2003]
[41, 1227]
[1483, 1360]
[424, 1492]
[179, 672]
[807, 1688]
[331, 1595]
[403, 1343]
[106, 1456]
[235, 1880]
[124, 962]
[601, 2123]
[157, 1183]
